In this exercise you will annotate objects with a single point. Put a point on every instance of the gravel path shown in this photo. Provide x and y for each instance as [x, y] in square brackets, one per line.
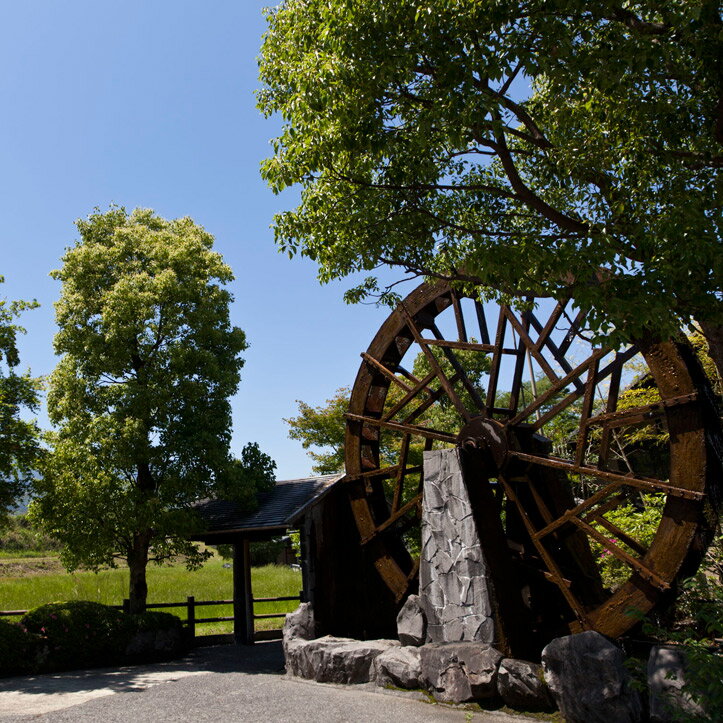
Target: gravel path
[223, 683]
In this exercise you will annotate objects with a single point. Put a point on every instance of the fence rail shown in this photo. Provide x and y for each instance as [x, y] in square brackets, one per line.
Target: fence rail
[191, 620]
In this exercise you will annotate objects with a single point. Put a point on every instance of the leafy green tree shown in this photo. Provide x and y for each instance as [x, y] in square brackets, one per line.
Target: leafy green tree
[140, 397]
[557, 148]
[323, 427]
[19, 448]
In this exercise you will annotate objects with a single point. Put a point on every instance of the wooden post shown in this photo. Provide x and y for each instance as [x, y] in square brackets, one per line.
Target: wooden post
[191, 617]
[243, 604]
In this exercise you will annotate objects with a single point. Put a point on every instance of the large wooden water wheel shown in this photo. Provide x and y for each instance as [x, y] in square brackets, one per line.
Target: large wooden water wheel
[556, 446]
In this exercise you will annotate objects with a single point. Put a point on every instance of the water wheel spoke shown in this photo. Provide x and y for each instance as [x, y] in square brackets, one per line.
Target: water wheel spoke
[434, 396]
[443, 380]
[496, 362]
[540, 503]
[401, 473]
[646, 483]
[643, 414]
[484, 333]
[587, 405]
[411, 394]
[522, 353]
[549, 344]
[578, 509]
[544, 333]
[556, 388]
[407, 375]
[459, 317]
[460, 373]
[525, 339]
[572, 332]
[557, 577]
[388, 373]
[618, 361]
[597, 517]
[612, 504]
[645, 572]
[382, 472]
[401, 512]
[415, 568]
[413, 429]
[546, 495]
[466, 345]
[611, 406]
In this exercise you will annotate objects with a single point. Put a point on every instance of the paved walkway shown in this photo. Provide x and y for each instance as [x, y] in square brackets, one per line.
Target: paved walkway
[223, 683]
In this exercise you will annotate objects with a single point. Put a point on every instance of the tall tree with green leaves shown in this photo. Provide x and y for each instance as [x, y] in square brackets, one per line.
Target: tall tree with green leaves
[19, 437]
[140, 397]
[556, 148]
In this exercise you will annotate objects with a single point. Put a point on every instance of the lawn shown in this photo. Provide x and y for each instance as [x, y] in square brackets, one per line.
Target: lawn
[165, 584]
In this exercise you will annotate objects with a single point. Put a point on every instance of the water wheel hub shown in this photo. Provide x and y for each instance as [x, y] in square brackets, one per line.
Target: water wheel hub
[491, 439]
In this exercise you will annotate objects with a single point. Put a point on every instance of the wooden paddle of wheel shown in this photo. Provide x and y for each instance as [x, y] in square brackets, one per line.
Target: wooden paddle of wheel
[552, 452]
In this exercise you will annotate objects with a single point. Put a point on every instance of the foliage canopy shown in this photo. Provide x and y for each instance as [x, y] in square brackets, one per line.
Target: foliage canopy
[140, 397]
[537, 146]
[19, 448]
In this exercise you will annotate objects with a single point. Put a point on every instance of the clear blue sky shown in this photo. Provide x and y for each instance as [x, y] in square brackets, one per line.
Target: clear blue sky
[152, 104]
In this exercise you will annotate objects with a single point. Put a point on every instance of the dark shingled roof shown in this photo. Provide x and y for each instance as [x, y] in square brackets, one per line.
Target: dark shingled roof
[278, 509]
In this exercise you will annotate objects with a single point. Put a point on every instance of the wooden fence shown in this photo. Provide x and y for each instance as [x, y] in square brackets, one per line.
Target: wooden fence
[192, 620]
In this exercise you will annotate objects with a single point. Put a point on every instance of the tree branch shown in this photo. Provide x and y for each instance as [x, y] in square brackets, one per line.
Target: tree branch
[632, 21]
[528, 197]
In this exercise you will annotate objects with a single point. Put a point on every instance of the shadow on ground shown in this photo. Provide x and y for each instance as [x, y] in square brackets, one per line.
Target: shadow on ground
[266, 657]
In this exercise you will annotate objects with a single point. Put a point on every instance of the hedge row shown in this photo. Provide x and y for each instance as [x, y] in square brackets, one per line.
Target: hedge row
[83, 634]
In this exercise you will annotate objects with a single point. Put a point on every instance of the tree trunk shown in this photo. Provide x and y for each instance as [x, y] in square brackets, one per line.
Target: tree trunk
[137, 563]
[713, 334]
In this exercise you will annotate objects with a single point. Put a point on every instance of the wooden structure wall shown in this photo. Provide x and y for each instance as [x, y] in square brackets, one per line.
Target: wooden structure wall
[349, 597]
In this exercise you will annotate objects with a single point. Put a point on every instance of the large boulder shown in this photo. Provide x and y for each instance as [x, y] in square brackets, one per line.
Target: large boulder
[521, 685]
[334, 660]
[588, 680]
[459, 672]
[412, 622]
[400, 667]
[666, 678]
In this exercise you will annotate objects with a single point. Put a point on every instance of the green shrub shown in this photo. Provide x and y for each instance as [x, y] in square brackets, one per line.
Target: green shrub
[18, 649]
[155, 636]
[152, 620]
[79, 633]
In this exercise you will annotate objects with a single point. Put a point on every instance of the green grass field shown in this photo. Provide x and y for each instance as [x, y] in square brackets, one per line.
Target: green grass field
[165, 584]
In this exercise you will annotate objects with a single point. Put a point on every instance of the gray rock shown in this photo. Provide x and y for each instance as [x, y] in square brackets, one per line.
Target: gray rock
[587, 678]
[334, 660]
[521, 685]
[300, 624]
[666, 678]
[453, 586]
[411, 622]
[400, 667]
[458, 672]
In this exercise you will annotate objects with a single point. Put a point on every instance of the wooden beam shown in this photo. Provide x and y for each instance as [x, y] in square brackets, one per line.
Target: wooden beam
[243, 605]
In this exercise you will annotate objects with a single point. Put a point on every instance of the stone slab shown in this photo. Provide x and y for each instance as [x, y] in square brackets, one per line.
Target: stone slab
[453, 581]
